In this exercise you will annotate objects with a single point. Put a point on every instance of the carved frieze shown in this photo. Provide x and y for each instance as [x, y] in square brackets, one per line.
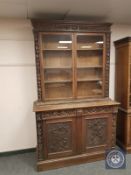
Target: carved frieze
[66, 113]
[77, 112]
[62, 26]
[94, 110]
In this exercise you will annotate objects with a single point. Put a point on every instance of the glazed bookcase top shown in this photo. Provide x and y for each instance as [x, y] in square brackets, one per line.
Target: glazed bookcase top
[72, 59]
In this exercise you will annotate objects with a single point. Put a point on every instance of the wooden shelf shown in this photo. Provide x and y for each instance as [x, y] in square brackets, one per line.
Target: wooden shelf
[94, 66]
[56, 49]
[90, 49]
[57, 67]
[58, 81]
[91, 96]
[89, 79]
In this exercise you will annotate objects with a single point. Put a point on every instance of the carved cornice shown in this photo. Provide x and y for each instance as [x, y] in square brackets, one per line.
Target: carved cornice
[122, 41]
[69, 26]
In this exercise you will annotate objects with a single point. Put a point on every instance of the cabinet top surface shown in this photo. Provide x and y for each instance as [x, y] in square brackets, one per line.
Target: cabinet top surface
[48, 106]
[122, 41]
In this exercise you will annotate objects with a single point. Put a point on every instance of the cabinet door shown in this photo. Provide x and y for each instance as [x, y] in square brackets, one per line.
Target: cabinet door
[56, 66]
[60, 137]
[90, 61]
[97, 131]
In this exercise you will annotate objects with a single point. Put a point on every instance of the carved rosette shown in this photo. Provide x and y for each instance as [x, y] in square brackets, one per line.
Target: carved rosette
[37, 56]
[96, 132]
[40, 139]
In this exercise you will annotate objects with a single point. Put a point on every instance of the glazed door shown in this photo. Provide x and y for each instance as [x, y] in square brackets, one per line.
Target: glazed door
[56, 66]
[59, 137]
[96, 132]
[90, 65]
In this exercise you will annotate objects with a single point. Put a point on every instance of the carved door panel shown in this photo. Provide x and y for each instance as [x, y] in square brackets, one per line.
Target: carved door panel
[60, 137]
[96, 132]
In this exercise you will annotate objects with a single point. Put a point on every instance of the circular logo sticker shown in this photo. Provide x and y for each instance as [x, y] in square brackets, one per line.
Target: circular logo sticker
[115, 159]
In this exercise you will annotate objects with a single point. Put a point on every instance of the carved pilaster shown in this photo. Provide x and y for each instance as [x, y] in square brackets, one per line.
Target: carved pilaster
[40, 139]
[114, 117]
[107, 66]
[37, 56]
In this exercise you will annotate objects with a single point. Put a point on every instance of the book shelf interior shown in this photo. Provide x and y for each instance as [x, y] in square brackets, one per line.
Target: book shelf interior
[69, 63]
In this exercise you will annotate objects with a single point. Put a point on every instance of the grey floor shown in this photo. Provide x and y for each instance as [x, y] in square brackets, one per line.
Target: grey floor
[24, 164]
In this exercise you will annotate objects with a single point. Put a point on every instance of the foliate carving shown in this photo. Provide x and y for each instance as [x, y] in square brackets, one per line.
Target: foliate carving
[37, 56]
[61, 26]
[66, 113]
[78, 112]
[95, 110]
[96, 132]
[40, 139]
[114, 130]
[59, 137]
[107, 65]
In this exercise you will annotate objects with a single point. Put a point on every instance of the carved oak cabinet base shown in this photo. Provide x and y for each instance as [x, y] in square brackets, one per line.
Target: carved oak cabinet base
[74, 133]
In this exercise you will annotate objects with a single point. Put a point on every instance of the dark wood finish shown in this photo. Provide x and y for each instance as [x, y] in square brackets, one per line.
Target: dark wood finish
[123, 92]
[76, 121]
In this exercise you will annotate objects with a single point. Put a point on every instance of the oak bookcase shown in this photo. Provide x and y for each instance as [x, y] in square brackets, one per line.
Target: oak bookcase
[76, 120]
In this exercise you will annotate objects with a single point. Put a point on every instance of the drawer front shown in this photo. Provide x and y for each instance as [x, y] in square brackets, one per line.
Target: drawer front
[59, 114]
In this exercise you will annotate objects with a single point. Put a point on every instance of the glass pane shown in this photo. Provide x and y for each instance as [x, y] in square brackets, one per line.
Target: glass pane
[89, 66]
[89, 74]
[57, 59]
[89, 58]
[57, 42]
[86, 42]
[58, 75]
[58, 90]
[57, 66]
[89, 89]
